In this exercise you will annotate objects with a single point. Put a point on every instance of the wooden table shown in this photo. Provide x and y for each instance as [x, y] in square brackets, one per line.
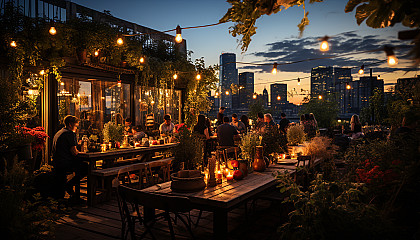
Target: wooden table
[110, 156]
[226, 196]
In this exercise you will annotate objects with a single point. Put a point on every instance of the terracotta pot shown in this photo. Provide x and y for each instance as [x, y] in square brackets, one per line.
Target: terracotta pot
[259, 162]
[187, 181]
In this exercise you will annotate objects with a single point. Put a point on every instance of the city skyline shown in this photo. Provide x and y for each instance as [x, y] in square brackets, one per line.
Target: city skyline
[276, 39]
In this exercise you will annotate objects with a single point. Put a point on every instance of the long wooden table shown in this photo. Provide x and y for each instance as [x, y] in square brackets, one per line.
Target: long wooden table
[228, 195]
[110, 156]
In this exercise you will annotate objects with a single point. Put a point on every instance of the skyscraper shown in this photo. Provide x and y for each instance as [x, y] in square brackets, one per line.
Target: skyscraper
[246, 89]
[278, 93]
[325, 79]
[228, 76]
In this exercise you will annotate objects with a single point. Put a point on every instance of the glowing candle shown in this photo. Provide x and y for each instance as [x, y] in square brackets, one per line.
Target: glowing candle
[229, 177]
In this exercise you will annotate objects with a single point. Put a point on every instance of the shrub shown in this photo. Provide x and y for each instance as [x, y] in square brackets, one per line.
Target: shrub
[113, 132]
[295, 135]
[248, 143]
[189, 149]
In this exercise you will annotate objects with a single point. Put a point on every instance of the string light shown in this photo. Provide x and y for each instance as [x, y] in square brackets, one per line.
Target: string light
[178, 37]
[42, 72]
[152, 102]
[120, 41]
[298, 81]
[175, 76]
[96, 53]
[198, 77]
[62, 83]
[217, 94]
[52, 31]
[141, 60]
[320, 97]
[392, 60]
[348, 86]
[362, 69]
[119, 83]
[278, 98]
[13, 44]
[254, 96]
[227, 92]
[274, 71]
[324, 44]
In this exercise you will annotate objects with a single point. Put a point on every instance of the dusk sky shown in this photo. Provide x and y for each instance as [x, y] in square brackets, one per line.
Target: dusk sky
[276, 39]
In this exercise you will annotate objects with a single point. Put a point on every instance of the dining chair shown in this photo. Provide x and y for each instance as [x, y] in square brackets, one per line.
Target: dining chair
[177, 205]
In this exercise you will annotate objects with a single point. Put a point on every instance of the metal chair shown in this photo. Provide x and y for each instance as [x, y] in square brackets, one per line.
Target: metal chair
[179, 206]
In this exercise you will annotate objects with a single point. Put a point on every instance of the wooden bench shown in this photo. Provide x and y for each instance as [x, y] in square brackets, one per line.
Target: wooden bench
[144, 170]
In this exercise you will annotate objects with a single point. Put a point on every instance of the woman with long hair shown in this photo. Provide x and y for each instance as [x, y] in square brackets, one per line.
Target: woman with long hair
[245, 120]
[201, 127]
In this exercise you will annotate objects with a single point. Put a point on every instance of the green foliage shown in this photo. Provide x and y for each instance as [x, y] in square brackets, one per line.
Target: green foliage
[113, 132]
[248, 145]
[273, 141]
[197, 100]
[332, 210]
[24, 216]
[189, 149]
[295, 135]
[325, 111]
[255, 108]
[244, 13]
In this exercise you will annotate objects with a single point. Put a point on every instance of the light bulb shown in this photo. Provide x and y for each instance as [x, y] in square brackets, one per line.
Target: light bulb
[119, 83]
[120, 41]
[175, 76]
[392, 60]
[227, 92]
[217, 94]
[320, 96]
[52, 31]
[62, 83]
[42, 72]
[152, 102]
[141, 60]
[278, 98]
[324, 46]
[13, 44]
[30, 92]
[274, 71]
[178, 37]
[96, 53]
[361, 71]
[198, 77]
[254, 96]
[348, 86]
[298, 81]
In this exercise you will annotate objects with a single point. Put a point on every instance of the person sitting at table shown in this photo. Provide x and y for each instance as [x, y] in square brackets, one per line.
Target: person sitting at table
[226, 133]
[220, 116]
[201, 127]
[208, 125]
[260, 122]
[138, 133]
[128, 127]
[167, 127]
[245, 120]
[356, 127]
[269, 123]
[240, 126]
[65, 161]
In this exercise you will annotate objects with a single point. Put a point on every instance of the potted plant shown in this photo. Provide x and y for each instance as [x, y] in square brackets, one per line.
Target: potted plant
[113, 132]
[248, 145]
[295, 136]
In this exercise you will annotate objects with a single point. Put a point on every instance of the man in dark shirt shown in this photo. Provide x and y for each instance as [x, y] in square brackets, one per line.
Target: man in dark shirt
[226, 133]
[220, 116]
[65, 161]
[284, 123]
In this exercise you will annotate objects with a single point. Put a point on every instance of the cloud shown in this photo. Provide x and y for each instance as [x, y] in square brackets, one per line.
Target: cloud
[295, 50]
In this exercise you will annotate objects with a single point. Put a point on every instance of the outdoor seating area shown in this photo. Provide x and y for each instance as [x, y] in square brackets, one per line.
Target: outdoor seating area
[114, 130]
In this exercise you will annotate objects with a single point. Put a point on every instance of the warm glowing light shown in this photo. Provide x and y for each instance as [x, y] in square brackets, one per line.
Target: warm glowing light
[96, 53]
[217, 94]
[119, 83]
[120, 41]
[361, 71]
[278, 98]
[392, 60]
[42, 72]
[320, 96]
[298, 81]
[30, 92]
[141, 60]
[13, 44]
[254, 96]
[198, 77]
[274, 71]
[78, 95]
[324, 46]
[152, 102]
[175, 76]
[348, 86]
[53, 31]
[227, 92]
[178, 37]
[339, 120]
[62, 83]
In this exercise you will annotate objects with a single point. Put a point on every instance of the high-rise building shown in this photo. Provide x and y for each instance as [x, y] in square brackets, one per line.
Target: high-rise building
[367, 87]
[405, 87]
[278, 93]
[228, 76]
[325, 79]
[265, 97]
[246, 89]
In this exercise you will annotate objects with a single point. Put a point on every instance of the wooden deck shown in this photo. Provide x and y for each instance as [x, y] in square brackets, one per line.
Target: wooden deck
[103, 222]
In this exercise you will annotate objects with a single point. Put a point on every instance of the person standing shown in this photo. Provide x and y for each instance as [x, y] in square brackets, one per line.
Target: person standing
[167, 127]
[65, 161]
[220, 116]
[284, 123]
[240, 126]
[226, 133]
